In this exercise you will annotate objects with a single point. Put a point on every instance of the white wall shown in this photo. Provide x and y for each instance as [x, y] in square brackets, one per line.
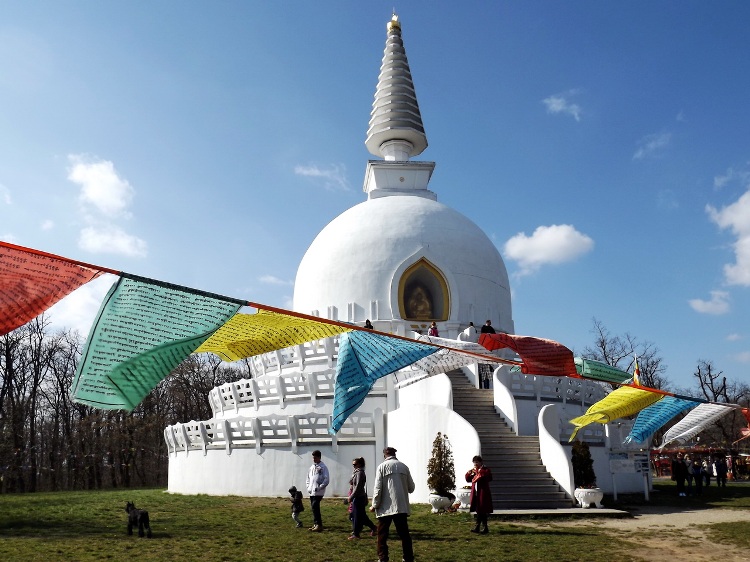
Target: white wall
[411, 430]
[553, 454]
[436, 390]
[270, 474]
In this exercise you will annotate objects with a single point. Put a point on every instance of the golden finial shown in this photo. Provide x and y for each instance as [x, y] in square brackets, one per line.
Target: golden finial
[394, 23]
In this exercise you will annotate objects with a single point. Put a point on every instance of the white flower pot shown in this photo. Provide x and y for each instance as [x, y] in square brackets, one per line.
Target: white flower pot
[438, 503]
[587, 497]
[464, 496]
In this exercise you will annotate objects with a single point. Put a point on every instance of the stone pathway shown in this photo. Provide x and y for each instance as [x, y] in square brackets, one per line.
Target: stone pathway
[661, 533]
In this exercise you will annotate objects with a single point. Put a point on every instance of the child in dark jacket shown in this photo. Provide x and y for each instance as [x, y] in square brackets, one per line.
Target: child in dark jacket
[297, 505]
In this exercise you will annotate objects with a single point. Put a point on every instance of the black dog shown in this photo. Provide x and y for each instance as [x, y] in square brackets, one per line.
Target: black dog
[138, 517]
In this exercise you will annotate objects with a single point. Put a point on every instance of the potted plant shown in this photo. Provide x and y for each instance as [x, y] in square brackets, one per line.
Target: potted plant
[584, 477]
[441, 474]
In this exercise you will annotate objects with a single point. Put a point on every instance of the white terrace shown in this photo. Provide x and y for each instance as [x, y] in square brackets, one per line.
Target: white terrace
[304, 376]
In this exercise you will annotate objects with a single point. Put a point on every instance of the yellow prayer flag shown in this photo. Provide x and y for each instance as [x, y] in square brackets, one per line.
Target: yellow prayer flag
[619, 403]
[245, 335]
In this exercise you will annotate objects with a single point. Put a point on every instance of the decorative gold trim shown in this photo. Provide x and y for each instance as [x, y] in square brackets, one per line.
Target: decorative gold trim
[441, 305]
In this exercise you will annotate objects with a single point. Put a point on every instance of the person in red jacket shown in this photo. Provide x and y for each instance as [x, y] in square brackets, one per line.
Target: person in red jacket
[481, 498]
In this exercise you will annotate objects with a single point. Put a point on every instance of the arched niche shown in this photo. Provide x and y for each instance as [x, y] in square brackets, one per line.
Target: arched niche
[423, 293]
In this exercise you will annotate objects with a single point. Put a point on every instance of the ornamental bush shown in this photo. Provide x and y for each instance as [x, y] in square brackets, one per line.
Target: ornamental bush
[441, 474]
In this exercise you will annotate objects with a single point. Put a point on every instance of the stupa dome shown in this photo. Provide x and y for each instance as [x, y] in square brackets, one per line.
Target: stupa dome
[362, 262]
[401, 259]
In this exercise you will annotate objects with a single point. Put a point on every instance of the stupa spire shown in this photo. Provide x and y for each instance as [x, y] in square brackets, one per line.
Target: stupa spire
[396, 131]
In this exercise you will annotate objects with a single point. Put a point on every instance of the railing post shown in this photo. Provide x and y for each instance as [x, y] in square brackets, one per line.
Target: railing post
[313, 387]
[227, 436]
[291, 424]
[256, 395]
[280, 391]
[258, 434]
[334, 437]
[204, 437]
[186, 438]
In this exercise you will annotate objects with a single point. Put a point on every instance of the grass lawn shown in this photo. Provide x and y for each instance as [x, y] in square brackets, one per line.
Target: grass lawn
[92, 526]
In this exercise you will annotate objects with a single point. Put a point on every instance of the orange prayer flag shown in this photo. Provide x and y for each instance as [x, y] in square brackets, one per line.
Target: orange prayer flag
[32, 281]
[540, 356]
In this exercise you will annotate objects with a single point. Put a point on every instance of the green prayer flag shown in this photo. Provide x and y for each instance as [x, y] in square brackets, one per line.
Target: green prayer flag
[596, 370]
[143, 330]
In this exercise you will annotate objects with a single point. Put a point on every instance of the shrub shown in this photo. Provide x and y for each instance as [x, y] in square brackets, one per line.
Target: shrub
[441, 475]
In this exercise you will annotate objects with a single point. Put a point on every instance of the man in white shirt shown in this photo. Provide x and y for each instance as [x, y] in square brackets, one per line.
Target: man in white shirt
[316, 482]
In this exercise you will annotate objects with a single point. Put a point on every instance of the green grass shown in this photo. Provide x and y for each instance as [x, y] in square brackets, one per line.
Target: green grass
[92, 526]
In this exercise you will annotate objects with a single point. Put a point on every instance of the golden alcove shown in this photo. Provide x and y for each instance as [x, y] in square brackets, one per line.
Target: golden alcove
[423, 293]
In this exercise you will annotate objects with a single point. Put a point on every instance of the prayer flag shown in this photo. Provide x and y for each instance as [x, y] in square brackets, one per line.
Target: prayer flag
[31, 282]
[443, 360]
[655, 416]
[692, 424]
[598, 371]
[540, 356]
[143, 330]
[619, 403]
[365, 357]
[246, 335]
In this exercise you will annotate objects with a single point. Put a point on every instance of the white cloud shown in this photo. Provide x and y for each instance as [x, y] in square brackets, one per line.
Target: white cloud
[272, 280]
[47, 224]
[719, 304]
[722, 180]
[5, 195]
[78, 310]
[8, 237]
[742, 176]
[651, 145]
[548, 245]
[734, 337]
[560, 103]
[113, 240]
[736, 217]
[334, 178]
[105, 197]
[101, 186]
[680, 118]
[743, 357]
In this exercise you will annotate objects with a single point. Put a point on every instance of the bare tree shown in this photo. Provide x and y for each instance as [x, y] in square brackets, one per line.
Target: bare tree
[49, 442]
[621, 351]
[714, 387]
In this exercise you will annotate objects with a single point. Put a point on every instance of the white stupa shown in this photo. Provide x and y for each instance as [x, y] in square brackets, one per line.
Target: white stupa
[377, 259]
[402, 260]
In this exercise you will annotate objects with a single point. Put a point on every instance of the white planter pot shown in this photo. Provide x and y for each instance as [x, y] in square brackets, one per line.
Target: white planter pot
[438, 503]
[464, 496]
[587, 497]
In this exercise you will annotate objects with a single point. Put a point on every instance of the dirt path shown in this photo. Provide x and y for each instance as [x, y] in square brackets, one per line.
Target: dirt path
[658, 533]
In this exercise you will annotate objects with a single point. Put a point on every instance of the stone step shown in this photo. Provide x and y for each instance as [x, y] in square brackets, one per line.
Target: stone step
[520, 479]
[531, 503]
[529, 486]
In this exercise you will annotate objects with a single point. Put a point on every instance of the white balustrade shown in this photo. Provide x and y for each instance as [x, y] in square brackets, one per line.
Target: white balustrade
[267, 431]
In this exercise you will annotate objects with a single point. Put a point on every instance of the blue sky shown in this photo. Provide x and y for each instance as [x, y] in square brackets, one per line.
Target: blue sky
[603, 146]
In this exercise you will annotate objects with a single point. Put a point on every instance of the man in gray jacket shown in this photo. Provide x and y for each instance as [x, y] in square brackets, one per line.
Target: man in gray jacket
[390, 502]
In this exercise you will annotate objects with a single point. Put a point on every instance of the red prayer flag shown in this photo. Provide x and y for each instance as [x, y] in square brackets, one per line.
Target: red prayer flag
[540, 356]
[32, 281]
